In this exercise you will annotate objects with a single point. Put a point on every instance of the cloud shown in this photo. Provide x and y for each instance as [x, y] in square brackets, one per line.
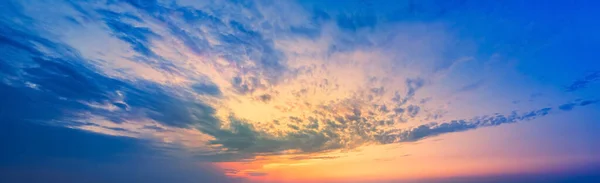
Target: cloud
[68, 89]
[566, 107]
[434, 129]
[472, 86]
[256, 174]
[41, 153]
[313, 157]
[583, 82]
[228, 81]
[571, 105]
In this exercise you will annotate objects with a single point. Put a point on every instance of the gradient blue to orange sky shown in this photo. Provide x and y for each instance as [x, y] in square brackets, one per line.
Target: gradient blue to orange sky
[368, 91]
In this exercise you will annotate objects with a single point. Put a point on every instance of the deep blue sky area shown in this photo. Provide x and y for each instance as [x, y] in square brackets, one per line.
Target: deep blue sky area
[168, 90]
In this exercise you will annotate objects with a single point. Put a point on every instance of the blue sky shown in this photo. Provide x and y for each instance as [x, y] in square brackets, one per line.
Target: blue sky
[253, 91]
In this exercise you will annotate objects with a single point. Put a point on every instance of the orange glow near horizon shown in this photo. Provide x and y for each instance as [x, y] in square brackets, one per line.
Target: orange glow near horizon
[461, 156]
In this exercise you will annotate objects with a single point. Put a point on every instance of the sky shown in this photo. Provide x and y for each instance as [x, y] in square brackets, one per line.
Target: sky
[365, 91]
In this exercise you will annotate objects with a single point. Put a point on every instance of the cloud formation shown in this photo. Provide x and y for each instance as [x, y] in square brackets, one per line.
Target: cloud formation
[583, 82]
[228, 81]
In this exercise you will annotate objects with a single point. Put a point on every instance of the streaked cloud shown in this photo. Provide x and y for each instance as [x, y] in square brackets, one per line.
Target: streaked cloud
[583, 82]
[233, 81]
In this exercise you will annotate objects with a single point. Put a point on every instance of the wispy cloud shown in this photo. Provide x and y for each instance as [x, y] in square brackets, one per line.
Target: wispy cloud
[583, 82]
[229, 81]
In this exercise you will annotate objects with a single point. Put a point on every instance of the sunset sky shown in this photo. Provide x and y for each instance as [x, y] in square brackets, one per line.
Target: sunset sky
[366, 91]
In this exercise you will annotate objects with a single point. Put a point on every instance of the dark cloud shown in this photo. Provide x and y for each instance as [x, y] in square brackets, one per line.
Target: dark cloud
[265, 98]
[256, 174]
[61, 82]
[588, 102]
[37, 153]
[231, 171]
[243, 138]
[314, 123]
[413, 85]
[566, 107]
[571, 105]
[240, 42]
[243, 141]
[425, 100]
[314, 157]
[399, 110]
[434, 129]
[210, 89]
[413, 110]
[55, 89]
[378, 91]
[137, 37]
[64, 82]
[583, 82]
